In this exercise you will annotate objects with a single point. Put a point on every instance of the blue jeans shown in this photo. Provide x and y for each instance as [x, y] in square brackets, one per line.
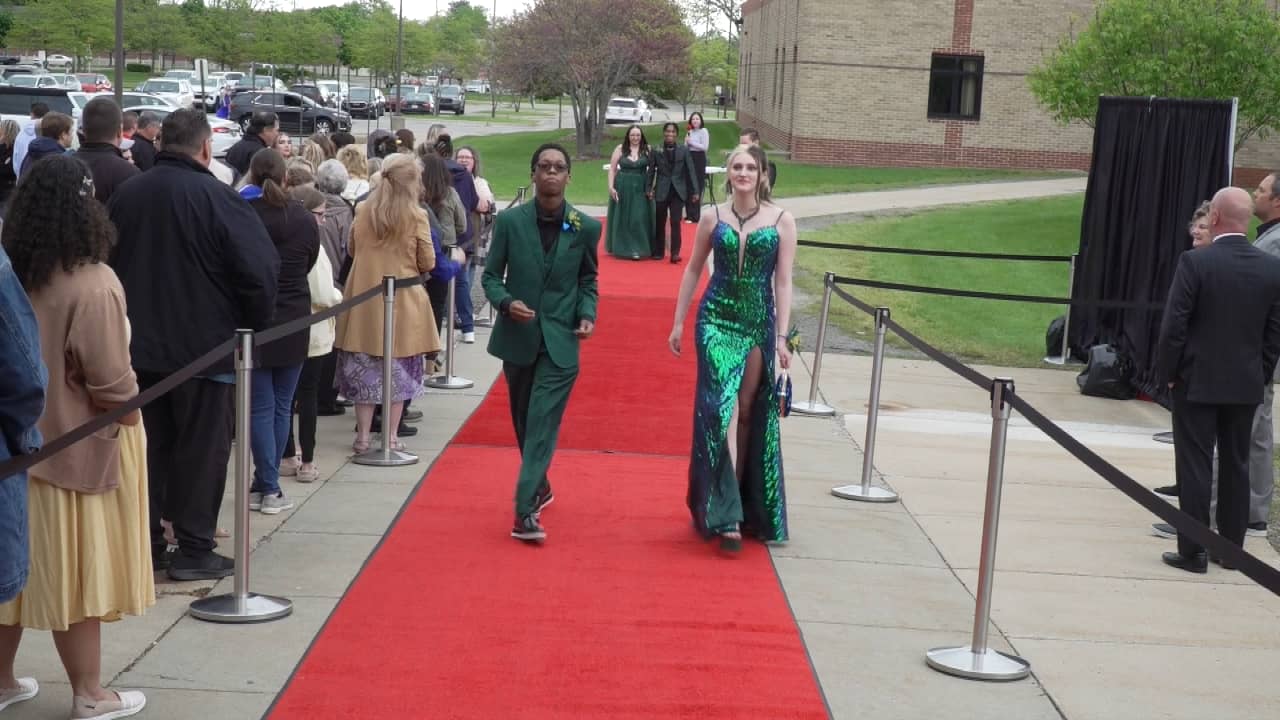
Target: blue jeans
[465, 321]
[271, 415]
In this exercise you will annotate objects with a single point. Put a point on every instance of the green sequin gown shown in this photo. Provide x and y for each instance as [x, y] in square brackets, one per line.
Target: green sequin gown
[737, 315]
[629, 231]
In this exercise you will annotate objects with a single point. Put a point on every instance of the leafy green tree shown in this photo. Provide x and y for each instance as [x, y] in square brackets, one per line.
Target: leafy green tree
[345, 21]
[459, 39]
[6, 25]
[222, 30]
[154, 28]
[1169, 48]
[294, 38]
[591, 48]
[75, 27]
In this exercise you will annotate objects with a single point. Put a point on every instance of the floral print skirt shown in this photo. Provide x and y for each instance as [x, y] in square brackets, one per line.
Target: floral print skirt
[359, 377]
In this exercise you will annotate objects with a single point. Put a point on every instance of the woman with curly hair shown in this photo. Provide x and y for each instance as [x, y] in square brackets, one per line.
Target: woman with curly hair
[90, 522]
[353, 159]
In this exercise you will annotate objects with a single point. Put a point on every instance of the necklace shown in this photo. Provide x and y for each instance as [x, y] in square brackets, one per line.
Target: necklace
[743, 220]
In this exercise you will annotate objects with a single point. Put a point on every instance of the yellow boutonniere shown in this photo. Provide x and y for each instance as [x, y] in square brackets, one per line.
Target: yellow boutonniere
[573, 222]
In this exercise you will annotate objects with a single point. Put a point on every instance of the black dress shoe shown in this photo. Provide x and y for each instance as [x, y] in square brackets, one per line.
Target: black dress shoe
[675, 259]
[162, 557]
[1226, 565]
[203, 566]
[656, 257]
[1196, 563]
[1170, 490]
[411, 415]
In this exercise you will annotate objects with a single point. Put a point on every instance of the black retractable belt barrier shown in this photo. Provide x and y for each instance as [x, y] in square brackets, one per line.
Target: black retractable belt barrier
[22, 463]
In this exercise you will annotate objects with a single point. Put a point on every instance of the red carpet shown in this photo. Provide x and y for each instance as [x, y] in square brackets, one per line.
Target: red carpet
[624, 613]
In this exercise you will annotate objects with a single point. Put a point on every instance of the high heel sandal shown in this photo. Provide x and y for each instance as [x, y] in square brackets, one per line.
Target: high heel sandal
[360, 446]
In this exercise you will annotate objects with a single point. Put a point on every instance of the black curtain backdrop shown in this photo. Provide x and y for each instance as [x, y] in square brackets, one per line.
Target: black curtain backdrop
[1154, 161]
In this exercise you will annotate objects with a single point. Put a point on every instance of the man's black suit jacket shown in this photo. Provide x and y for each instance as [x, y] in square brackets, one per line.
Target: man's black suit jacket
[1220, 335]
[665, 175]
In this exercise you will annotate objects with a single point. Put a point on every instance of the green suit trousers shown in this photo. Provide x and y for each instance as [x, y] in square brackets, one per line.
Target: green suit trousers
[539, 394]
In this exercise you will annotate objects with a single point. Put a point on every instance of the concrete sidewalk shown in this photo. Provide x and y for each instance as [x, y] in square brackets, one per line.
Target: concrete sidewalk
[840, 205]
[1079, 591]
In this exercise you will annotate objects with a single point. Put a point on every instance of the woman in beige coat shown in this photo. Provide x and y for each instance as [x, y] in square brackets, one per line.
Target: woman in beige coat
[391, 236]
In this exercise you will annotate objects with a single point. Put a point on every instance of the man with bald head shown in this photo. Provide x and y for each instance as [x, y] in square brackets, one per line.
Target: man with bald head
[1219, 343]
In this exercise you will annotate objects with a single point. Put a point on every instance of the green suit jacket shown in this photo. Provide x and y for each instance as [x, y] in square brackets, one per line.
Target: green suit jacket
[560, 286]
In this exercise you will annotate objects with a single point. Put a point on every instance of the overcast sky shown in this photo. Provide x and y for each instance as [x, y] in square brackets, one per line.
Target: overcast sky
[418, 9]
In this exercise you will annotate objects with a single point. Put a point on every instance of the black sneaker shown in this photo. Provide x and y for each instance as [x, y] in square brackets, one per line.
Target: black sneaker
[1164, 530]
[411, 415]
[528, 529]
[1170, 490]
[544, 498]
[205, 566]
[1258, 529]
[162, 556]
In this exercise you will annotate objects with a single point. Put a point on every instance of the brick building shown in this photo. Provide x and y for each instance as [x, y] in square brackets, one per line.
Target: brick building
[916, 83]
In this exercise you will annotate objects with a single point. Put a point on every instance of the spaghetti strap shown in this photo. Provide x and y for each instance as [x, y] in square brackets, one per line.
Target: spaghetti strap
[717, 209]
[778, 219]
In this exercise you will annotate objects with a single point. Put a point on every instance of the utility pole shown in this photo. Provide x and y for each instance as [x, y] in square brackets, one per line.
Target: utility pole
[400, 64]
[118, 54]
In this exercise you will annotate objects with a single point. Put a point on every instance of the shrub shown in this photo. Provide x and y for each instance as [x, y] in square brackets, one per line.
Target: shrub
[137, 67]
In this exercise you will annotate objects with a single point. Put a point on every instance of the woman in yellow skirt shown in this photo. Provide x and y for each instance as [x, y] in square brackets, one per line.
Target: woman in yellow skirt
[90, 544]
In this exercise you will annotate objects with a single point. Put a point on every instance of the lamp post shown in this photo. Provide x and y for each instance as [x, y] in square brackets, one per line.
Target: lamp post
[400, 62]
[118, 53]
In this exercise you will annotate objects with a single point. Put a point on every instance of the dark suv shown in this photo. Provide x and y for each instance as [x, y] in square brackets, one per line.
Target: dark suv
[311, 92]
[298, 115]
[451, 97]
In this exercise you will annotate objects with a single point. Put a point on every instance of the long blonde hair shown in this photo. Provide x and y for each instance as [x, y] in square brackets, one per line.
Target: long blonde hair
[352, 158]
[392, 212]
[764, 193]
[9, 130]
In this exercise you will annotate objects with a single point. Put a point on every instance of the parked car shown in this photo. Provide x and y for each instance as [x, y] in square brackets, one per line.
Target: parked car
[207, 98]
[233, 77]
[478, 86]
[309, 91]
[175, 90]
[225, 132]
[70, 82]
[93, 82]
[16, 102]
[261, 82]
[58, 61]
[11, 70]
[451, 97]
[627, 110]
[188, 75]
[405, 91]
[298, 115]
[335, 92]
[363, 102]
[37, 81]
[419, 101]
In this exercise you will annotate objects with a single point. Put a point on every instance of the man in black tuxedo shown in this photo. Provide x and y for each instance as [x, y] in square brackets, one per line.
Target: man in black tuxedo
[672, 181]
[1219, 342]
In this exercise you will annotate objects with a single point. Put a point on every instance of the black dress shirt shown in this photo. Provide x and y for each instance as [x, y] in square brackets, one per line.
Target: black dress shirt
[549, 227]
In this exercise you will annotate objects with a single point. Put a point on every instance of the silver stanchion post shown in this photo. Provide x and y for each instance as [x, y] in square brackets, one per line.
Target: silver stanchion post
[977, 661]
[449, 381]
[241, 606]
[866, 492]
[1066, 320]
[812, 406]
[387, 456]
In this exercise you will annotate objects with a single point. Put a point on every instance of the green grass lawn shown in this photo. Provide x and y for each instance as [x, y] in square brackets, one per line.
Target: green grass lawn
[506, 165]
[997, 332]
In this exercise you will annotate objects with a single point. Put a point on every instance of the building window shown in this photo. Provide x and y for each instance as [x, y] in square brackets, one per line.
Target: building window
[955, 87]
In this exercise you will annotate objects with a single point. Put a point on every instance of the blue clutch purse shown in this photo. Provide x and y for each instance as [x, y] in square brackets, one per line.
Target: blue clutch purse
[782, 389]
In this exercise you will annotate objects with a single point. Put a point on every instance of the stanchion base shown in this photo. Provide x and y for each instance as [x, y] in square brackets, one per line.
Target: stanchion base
[1163, 437]
[991, 665]
[1055, 360]
[868, 494]
[483, 322]
[446, 382]
[377, 458]
[816, 409]
[254, 608]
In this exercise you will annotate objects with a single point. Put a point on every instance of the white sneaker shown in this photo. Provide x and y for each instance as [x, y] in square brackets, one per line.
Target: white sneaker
[130, 702]
[289, 466]
[255, 501]
[27, 689]
[275, 504]
[468, 337]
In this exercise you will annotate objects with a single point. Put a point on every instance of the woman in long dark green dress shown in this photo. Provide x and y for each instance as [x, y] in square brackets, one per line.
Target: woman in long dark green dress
[735, 470]
[630, 227]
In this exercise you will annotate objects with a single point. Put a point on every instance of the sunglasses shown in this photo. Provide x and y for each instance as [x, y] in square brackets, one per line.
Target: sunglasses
[557, 168]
